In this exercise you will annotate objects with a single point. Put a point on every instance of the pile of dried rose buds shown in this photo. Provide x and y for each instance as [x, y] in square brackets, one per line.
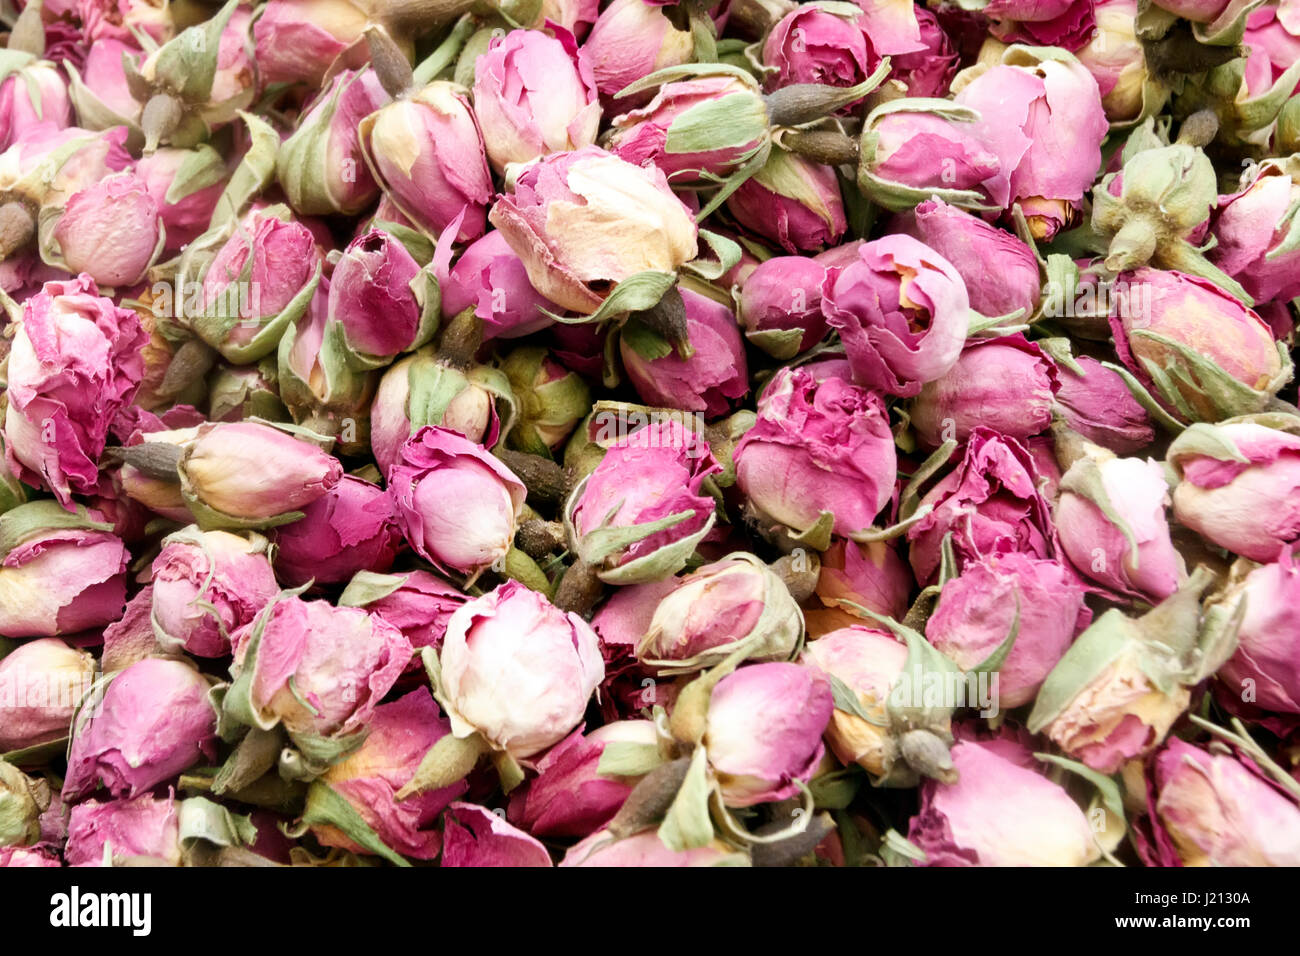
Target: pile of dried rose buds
[647, 433]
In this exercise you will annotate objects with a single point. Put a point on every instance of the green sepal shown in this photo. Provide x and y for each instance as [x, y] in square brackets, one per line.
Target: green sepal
[621, 758]
[187, 63]
[366, 587]
[201, 819]
[636, 293]
[1091, 653]
[36, 517]
[688, 824]
[326, 807]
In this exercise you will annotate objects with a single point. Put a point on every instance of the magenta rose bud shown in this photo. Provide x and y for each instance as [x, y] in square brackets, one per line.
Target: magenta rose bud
[517, 670]
[970, 244]
[317, 670]
[185, 185]
[490, 277]
[1251, 227]
[781, 305]
[902, 312]
[58, 576]
[534, 94]
[142, 826]
[977, 610]
[417, 603]
[909, 154]
[585, 220]
[1094, 401]
[1113, 527]
[152, 721]
[109, 231]
[426, 152]
[1001, 812]
[400, 734]
[475, 836]
[793, 202]
[1003, 383]
[1267, 660]
[710, 380]
[1044, 120]
[41, 684]
[811, 44]
[351, 528]
[457, 505]
[991, 502]
[247, 474]
[764, 734]
[570, 797]
[650, 484]
[927, 72]
[632, 39]
[376, 294]
[30, 93]
[817, 448]
[206, 585]
[75, 362]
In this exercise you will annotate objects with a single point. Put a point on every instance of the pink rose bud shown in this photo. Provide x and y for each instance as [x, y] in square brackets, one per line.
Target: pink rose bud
[1238, 486]
[1094, 401]
[1001, 812]
[321, 166]
[152, 721]
[350, 529]
[206, 585]
[570, 797]
[1042, 601]
[1044, 120]
[970, 244]
[259, 283]
[781, 305]
[400, 734]
[1063, 23]
[585, 220]
[249, 474]
[632, 39]
[902, 312]
[456, 504]
[41, 684]
[927, 72]
[382, 300]
[869, 575]
[417, 603]
[868, 663]
[475, 836]
[58, 574]
[1003, 383]
[298, 40]
[518, 670]
[645, 849]
[1215, 810]
[1113, 527]
[765, 726]
[710, 380]
[426, 151]
[534, 94]
[31, 91]
[922, 149]
[109, 231]
[649, 484]
[1265, 669]
[185, 185]
[817, 449]
[718, 609]
[99, 89]
[793, 202]
[316, 669]
[991, 502]
[1159, 321]
[1116, 61]
[75, 362]
[1252, 228]
[143, 826]
[490, 277]
[812, 44]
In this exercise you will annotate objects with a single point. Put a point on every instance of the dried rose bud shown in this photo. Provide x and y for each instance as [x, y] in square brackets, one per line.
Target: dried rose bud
[41, 684]
[1265, 668]
[632, 39]
[31, 91]
[552, 400]
[110, 230]
[1095, 402]
[871, 575]
[417, 603]
[490, 277]
[476, 836]
[793, 202]
[351, 528]
[185, 185]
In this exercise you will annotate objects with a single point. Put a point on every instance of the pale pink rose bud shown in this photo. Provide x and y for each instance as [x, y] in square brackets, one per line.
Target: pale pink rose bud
[457, 505]
[585, 220]
[99, 89]
[34, 92]
[647, 850]
[978, 610]
[764, 735]
[1004, 383]
[1265, 668]
[350, 528]
[816, 448]
[109, 231]
[426, 151]
[902, 312]
[253, 474]
[298, 40]
[1115, 59]
[490, 277]
[41, 684]
[58, 575]
[1001, 811]
[142, 826]
[913, 153]
[1251, 227]
[534, 94]
[793, 202]
[518, 670]
[632, 39]
[1113, 526]
[1095, 402]
[476, 836]
[710, 380]
[401, 733]
[871, 575]
[152, 721]
[206, 585]
[75, 362]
